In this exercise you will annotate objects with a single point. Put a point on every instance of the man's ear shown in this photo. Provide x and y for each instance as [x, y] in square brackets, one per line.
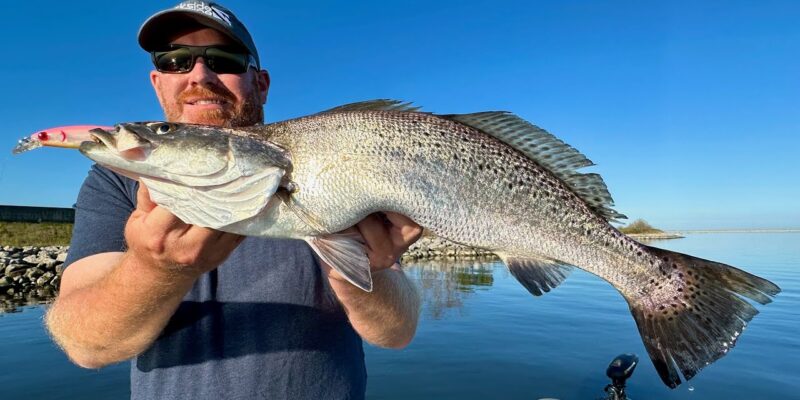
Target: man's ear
[263, 85]
[154, 77]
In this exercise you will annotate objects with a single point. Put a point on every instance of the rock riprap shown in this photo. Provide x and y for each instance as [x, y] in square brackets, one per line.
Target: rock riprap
[29, 275]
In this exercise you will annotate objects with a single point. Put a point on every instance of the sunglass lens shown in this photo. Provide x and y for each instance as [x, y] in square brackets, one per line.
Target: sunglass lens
[178, 60]
[225, 62]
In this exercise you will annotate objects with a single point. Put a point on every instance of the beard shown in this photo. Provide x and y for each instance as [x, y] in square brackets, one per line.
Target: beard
[248, 112]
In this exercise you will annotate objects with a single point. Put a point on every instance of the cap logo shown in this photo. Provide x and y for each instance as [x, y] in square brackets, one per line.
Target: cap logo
[202, 7]
[222, 15]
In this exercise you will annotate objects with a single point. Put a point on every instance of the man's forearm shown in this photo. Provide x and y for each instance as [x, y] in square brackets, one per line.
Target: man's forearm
[118, 316]
[387, 316]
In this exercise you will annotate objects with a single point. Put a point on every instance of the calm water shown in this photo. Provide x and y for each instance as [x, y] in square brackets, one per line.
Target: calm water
[483, 336]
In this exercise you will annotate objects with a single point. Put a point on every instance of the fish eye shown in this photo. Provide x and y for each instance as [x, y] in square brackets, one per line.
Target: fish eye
[163, 128]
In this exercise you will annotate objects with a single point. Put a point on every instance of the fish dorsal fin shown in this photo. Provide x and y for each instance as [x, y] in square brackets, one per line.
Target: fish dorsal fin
[376, 105]
[538, 274]
[548, 151]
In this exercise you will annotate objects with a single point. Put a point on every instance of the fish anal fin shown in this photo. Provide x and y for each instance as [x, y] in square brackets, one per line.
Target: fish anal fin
[537, 274]
[345, 253]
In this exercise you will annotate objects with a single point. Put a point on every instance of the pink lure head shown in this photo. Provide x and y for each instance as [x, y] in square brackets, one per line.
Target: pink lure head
[63, 136]
[73, 134]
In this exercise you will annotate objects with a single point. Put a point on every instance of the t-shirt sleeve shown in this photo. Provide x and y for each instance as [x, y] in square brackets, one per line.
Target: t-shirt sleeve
[105, 202]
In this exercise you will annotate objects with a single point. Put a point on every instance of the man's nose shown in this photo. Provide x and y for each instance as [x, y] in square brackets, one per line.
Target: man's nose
[200, 73]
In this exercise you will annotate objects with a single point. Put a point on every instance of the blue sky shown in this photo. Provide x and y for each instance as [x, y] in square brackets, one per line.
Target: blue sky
[689, 109]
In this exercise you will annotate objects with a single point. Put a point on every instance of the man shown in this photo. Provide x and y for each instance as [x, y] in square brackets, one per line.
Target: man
[207, 314]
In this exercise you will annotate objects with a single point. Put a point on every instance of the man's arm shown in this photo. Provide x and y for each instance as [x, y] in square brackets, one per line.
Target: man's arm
[387, 316]
[112, 306]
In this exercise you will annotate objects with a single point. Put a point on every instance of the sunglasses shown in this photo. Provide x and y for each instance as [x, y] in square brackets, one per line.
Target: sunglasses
[180, 59]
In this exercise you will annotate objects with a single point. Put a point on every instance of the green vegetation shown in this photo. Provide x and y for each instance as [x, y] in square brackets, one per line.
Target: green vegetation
[639, 226]
[35, 234]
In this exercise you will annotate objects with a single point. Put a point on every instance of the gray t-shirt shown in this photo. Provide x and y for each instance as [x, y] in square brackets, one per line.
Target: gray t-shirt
[264, 325]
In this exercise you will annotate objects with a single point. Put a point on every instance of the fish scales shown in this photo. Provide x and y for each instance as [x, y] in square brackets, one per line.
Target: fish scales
[511, 199]
[488, 180]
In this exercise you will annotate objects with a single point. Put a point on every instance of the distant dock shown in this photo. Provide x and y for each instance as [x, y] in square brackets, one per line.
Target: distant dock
[36, 214]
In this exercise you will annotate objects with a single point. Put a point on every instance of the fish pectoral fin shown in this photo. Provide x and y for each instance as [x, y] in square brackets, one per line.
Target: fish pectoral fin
[345, 252]
[538, 274]
[301, 212]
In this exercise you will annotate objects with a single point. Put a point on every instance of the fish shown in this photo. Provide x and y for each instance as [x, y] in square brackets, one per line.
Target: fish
[488, 180]
[62, 136]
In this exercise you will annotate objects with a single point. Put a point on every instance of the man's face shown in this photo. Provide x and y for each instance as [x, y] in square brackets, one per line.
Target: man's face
[202, 96]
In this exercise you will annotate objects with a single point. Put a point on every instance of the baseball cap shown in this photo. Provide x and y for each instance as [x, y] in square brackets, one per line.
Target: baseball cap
[158, 28]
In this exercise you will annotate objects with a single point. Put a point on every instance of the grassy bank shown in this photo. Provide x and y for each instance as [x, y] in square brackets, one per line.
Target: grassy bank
[639, 226]
[35, 234]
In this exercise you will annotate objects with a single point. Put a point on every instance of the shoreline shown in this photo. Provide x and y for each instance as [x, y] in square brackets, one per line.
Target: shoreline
[734, 230]
[654, 236]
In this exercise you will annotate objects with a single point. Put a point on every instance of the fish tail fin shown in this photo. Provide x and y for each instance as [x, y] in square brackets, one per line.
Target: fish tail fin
[695, 312]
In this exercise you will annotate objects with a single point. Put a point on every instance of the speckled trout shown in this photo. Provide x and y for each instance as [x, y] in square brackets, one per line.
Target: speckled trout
[489, 180]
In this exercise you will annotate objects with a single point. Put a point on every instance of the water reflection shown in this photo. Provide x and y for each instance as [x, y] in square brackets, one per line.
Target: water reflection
[445, 283]
[10, 303]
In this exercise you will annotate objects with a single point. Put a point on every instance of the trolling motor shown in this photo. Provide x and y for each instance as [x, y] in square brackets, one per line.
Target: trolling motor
[620, 369]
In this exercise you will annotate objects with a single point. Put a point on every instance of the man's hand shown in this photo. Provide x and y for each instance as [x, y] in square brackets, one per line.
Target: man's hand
[388, 315]
[158, 238]
[387, 236]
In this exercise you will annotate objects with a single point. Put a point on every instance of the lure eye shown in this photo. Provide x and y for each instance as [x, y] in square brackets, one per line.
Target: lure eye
[163, 128]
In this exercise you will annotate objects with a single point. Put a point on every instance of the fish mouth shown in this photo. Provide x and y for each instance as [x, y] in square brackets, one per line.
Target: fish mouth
[123, 143]
[100, 136]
